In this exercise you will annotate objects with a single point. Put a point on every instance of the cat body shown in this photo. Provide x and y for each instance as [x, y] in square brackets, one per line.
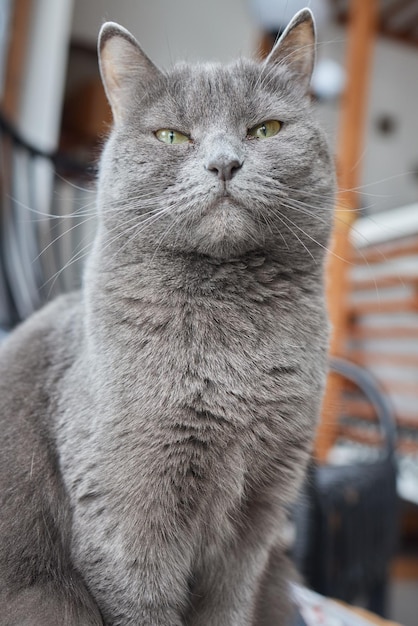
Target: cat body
[158, 424]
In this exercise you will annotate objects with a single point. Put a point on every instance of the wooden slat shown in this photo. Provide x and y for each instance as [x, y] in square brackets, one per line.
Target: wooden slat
[384, 282]
[406, 305]
[407, 446]
[402, 387]
[386, 251]
[405, 568]
[19, 32]
[382, 332]
[388, 24]
[359, 435]
[361, 409]
[361, 35]
[408, 38]
[384, 358]
[394, 9]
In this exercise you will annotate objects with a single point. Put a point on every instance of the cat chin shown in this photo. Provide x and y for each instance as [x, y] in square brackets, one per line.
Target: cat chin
[225, 234]
[223, 250]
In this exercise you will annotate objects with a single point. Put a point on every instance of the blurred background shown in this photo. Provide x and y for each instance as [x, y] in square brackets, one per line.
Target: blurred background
[363, 491]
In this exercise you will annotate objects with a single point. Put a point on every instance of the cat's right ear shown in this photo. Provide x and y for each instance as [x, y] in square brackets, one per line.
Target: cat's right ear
[123, 65]
[296, 47]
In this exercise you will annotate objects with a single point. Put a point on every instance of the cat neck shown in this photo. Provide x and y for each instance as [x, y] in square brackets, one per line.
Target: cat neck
[173, 275]
[168, 302]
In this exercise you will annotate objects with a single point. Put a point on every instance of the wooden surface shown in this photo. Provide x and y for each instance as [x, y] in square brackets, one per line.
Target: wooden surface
[16, 55]
[370, 617]
[398, 19]
[405, 568]
[360, 40]
[383, 329]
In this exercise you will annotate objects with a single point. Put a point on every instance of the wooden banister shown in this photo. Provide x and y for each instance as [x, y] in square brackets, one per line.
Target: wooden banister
[361, 34]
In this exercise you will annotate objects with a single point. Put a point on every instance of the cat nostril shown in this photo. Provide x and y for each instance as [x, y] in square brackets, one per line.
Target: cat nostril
[224, 170]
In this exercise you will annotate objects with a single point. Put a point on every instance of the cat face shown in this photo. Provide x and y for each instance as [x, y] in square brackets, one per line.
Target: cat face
[216, 160]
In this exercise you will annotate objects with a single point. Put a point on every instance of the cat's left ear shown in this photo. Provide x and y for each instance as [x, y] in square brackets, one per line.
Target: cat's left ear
[123, 67]
[296, 47]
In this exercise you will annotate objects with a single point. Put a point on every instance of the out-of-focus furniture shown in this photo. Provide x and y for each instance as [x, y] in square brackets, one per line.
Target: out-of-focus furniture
[397, 19]
[347, 520]
[316, 610]
[383, 315]
[44, 237]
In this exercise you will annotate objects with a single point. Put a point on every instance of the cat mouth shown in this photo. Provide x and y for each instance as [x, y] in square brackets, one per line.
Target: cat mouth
[223, 200]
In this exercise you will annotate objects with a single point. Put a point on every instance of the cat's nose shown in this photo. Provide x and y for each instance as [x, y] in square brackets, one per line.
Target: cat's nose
[224, 167]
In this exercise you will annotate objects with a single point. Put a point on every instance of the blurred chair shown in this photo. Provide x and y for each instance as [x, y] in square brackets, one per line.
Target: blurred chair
[47, 211]
[347, 518]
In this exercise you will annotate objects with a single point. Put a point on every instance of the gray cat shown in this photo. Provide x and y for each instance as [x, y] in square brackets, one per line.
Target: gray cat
[156, 425]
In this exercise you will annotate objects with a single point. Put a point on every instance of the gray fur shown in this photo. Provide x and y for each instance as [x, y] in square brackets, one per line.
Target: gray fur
[156, 425]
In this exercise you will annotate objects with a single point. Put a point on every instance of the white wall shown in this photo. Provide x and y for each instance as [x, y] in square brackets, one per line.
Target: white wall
[45, 68]
[387, 160]
[170, 30]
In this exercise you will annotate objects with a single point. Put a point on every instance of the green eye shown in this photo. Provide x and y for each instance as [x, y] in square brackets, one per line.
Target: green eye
[265, 129]
[166, 135]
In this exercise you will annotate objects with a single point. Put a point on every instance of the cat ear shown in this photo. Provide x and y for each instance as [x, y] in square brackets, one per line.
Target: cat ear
[296, 47]
[122, 66]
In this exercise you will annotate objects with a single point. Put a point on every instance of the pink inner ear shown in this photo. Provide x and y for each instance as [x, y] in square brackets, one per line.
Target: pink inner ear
[110, 76]
[118, 60]
[299, 49]
[296, 48]
[123, 66]
[109, 67]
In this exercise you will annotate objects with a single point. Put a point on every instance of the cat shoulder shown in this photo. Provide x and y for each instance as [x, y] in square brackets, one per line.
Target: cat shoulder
[43, 343]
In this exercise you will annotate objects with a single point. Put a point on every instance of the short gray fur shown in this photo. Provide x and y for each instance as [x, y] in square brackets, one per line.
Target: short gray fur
[156, 425]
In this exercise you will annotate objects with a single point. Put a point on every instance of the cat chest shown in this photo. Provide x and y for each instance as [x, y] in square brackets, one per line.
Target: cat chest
[208, 385]
[201, 405]
[210, 361]
[197, 441]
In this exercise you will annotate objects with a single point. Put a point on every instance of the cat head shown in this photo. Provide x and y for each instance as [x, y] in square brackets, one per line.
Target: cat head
[211, 159]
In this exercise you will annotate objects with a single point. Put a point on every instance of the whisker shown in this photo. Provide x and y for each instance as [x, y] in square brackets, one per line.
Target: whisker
[317, 217]
[63, 234]
[143, 223]
[76, 257]
[41, 213]
[338, 219]
[73, 185]
[328, 250]
[281, 217]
